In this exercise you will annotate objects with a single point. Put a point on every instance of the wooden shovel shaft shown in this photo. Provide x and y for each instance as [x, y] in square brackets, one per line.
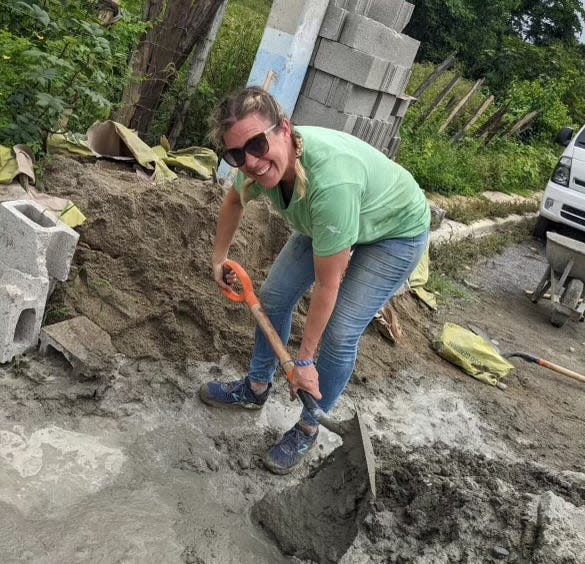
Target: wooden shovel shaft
[273, 338]
[561, 370]
[547, 364]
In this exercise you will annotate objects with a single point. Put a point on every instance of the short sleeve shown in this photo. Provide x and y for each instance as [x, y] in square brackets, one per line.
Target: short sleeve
[335, 216]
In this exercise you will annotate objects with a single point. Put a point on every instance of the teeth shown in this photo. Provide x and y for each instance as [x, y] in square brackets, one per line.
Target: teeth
[263, 171]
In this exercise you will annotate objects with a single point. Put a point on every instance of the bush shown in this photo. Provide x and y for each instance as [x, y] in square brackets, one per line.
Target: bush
[59, 66]
[518, 165]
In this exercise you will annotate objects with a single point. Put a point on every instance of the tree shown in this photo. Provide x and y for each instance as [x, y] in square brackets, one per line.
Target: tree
[176, 27]
[544, 22]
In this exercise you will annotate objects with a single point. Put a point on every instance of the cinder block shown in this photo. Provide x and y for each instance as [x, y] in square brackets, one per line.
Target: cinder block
[22, 305]
[403, 18]
[395, 80]
[374, 38]
[339, 94]
[393, 147]
[350, 64]
[33, 242]
[401, 107]
[394, 14]
[311, 112]
[375, 132]
[384, 106]
[333, 22]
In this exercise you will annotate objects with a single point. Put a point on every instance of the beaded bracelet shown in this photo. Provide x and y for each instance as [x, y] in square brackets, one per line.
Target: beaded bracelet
[308, 362]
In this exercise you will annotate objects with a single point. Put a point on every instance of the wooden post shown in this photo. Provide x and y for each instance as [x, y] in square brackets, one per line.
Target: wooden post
[493, 122]
[434, 76]
[200, 56]
[521, 124]
[461, 104]
[486, 104]
[439, 99]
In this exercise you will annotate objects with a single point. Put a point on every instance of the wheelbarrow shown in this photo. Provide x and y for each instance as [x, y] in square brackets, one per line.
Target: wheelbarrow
[564, 276]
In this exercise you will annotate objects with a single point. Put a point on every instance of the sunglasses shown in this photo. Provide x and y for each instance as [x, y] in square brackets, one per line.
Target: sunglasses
[256, 146]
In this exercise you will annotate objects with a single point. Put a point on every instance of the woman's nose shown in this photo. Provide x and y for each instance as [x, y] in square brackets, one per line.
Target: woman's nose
[251, 160]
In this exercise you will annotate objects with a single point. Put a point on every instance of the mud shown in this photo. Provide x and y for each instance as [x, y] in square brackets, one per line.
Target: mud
[132, 467]
[320, 517]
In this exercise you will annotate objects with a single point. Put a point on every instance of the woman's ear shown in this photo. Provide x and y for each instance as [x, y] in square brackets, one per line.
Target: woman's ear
[286, 126]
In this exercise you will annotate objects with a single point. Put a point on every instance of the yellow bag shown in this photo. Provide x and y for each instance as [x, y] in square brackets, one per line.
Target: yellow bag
[472, 353]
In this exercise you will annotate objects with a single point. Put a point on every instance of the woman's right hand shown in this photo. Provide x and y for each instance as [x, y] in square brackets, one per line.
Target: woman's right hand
[224, 276]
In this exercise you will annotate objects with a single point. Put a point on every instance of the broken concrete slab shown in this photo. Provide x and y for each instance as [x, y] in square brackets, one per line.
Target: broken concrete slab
[561, 528]
[86, 346]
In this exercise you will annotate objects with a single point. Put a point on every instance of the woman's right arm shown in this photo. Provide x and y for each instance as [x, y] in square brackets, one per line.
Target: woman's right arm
[229, 218]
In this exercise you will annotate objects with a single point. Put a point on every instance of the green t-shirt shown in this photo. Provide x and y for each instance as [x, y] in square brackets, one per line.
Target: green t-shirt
[355, 194]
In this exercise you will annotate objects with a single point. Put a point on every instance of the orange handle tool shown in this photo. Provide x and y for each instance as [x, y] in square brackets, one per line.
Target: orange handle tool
[249, 297]
[247, 294]
[286, 362]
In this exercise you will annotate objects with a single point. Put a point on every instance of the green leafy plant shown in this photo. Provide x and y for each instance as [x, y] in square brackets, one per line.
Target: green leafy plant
[60, 68]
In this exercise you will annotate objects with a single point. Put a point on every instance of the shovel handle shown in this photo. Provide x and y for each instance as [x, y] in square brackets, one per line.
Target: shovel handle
[286, 361]
[247, 294]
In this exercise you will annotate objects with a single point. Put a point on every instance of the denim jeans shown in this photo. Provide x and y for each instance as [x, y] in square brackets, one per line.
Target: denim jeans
[375, 273]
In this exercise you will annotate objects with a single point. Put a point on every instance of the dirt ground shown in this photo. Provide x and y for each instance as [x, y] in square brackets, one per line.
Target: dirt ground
[132, 467]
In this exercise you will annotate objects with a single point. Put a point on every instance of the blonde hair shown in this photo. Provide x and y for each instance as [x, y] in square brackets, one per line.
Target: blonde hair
[242, 103]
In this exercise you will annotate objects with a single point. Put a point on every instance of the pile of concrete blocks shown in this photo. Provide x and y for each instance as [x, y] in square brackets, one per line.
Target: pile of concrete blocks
[359, 71]
[35, 252]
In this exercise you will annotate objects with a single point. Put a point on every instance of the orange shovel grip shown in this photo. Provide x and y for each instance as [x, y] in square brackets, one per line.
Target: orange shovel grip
[247, 294]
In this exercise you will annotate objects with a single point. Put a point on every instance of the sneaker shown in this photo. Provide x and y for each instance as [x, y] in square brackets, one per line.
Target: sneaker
[290, 450]
[233, 394]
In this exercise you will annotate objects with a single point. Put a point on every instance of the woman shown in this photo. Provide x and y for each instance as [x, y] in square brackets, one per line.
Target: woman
[339, 194]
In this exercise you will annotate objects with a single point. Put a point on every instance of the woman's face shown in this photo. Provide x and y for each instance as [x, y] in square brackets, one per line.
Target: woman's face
[276, 164]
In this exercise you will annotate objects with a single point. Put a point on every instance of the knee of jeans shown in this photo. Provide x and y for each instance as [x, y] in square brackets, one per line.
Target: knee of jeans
[339, 342]
[272, 299]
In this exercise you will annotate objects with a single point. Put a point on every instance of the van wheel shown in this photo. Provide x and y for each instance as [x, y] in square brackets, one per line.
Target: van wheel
[541, 227]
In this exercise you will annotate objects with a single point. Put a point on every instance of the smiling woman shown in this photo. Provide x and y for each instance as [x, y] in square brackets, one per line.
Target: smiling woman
[339, 194]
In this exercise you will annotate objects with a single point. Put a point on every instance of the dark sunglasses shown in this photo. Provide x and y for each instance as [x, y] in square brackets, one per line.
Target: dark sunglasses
[256, 146]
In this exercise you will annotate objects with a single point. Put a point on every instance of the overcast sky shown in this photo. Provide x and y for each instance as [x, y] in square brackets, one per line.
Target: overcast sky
[582, 38]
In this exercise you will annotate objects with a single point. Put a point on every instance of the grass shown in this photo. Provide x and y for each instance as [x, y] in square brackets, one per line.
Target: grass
[481, 208]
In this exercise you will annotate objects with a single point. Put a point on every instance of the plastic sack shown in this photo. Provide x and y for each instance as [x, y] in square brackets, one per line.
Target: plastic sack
[472, 353]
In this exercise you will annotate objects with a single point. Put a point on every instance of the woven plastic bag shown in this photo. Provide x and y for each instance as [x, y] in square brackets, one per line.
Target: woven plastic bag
[473, 354]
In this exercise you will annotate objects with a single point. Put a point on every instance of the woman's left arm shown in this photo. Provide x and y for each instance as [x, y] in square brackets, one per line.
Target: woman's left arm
[328, 275]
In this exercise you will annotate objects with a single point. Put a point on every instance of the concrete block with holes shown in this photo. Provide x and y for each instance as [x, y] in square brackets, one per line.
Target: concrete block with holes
[35, 251]
[22, 305]
[33, 242]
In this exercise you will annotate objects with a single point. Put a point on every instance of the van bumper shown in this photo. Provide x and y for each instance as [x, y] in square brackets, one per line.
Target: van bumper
[563, 205]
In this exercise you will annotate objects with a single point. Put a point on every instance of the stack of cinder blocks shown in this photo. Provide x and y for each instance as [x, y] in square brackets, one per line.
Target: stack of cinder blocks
[35, 252]
[360, 67]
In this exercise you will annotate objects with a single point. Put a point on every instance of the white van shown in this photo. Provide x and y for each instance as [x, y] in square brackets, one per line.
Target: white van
[564, 197]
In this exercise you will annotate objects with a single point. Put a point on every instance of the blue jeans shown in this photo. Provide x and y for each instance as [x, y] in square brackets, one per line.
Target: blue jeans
[375, 273]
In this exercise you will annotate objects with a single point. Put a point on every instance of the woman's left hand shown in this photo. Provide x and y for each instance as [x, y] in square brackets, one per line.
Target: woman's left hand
[305, 378]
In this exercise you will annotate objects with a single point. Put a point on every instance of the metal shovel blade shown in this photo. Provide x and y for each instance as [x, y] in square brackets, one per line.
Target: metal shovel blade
[319, 518]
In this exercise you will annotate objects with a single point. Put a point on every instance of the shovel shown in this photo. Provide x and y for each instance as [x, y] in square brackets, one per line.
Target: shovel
[319, 518]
